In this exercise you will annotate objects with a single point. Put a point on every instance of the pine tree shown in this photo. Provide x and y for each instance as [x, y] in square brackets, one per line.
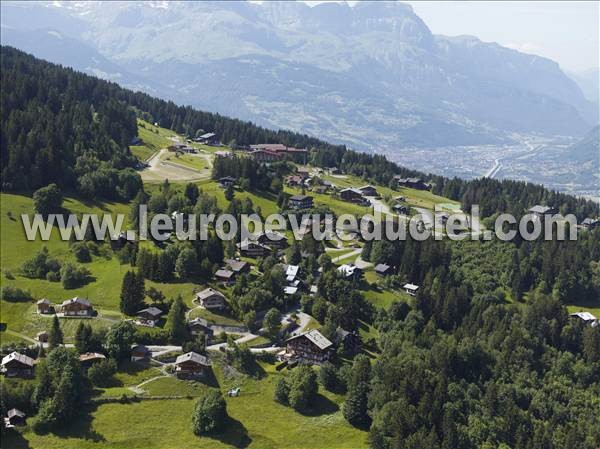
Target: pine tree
[355, 407]
[83, 336]
[55, 335]
[132, 293]
[176, 323]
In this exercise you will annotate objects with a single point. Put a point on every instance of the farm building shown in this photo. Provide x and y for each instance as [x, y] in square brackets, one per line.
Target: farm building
[17, 365]
[309, 347]
[210, 299]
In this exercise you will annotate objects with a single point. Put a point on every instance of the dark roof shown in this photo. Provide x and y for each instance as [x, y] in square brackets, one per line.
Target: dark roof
[236, 265]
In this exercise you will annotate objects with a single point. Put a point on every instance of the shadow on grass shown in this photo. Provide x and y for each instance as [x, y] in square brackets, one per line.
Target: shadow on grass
[235, 434]
[321, 406]
[79, 427]
[210, 379]
[13, 439]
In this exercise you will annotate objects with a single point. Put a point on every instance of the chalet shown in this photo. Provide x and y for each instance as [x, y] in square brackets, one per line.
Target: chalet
[250, 248]
[265, 156]
[586, 317]
[350, 271]
[383, 269]
[14, 417]
[208, 139]
[223, 154]
[412, 183]
[210, 299]
[300, 202]
[290, 290]
[294, 181]
[140, 352]
[368, 190]
[224, 276]
[400, 209]
[191, 364]
[411, 289]
[89, 358]
[321, 190]
[309, 347]
[291, 272]
[275, 147]
[77, 307]
[272, 239]
[42, 337]
[237, 266]
[17, 365]
[353, 196]
[122, 238]
[349, 340]
[590, 223]
[226, 181]
[149, 316]
[541, 211]
[44, 306]
[200, 325]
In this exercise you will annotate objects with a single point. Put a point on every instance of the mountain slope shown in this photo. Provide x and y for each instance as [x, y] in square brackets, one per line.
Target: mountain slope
[372, 75]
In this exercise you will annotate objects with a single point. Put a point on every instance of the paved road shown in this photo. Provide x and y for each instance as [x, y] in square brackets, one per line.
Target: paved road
[159, 170]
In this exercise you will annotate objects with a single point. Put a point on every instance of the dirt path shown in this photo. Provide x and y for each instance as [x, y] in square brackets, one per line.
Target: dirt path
[159, 169]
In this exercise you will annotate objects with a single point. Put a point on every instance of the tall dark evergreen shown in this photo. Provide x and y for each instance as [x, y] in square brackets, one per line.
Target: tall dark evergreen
[132, 293]
[55, 335]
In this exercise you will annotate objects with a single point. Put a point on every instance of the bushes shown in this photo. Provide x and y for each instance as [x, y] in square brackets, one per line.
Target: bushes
[9, 293]
[48, 199]
[209, 414]
[299, 390]
[72, 276]
[101, 372]
[81, 252]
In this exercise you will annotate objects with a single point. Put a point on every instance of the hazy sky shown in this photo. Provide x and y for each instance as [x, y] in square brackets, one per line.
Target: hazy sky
[567, 32]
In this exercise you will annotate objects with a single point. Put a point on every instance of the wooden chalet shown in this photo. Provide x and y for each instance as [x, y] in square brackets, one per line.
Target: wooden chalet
[77, 307]
[140, 352]
[353, 195]
[250, 248]
[309, 347]
[350, 271]
[224, 276]
[541, 211]
[200, 325]
[368, 190]
[87, 359]
[237, 266]
[265, 156]
[191, 365]
[44, 306]
[299, 202]
[349, 340]
[149, 316]
[272, 239]
[16, 364]
[208, 139]
[227, 181]
[211, 299]
[411, 183]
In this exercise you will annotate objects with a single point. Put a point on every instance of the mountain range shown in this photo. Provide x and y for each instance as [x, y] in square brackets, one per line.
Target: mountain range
[372, 76]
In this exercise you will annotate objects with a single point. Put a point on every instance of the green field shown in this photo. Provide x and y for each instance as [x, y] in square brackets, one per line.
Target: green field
[255, 421]
[153, 139]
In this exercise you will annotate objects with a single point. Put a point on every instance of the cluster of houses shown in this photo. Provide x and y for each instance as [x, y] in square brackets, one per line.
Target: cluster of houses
[74, 307]
[543, 212]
